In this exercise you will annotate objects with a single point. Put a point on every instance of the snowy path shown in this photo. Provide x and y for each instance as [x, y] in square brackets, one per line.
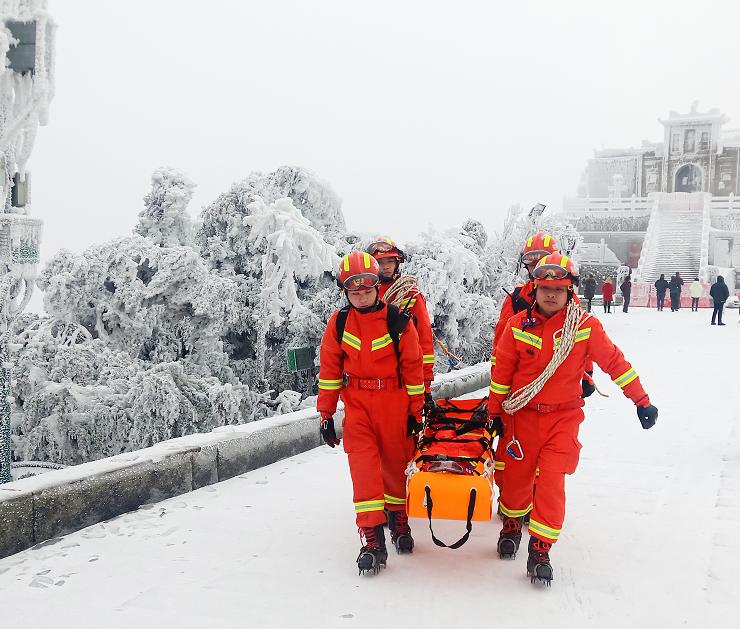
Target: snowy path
[650, 539]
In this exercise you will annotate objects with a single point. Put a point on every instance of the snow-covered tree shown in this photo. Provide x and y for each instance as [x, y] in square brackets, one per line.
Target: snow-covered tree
[226, 246]
[448, 270]
[291, 250]
[164, 218]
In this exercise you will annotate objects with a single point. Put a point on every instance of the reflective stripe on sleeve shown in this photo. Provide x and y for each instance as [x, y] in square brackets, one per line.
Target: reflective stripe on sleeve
[627, 377]
[501, 389]
[428, 359]
[330, 385]
[415, 389]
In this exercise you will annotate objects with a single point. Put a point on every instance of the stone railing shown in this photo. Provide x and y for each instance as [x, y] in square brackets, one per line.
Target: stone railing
[39, 508]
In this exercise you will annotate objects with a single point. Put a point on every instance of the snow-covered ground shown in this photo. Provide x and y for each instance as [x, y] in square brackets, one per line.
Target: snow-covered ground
[650, 539]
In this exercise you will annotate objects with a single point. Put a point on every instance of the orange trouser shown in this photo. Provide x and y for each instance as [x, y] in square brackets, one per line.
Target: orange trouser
[550, 442]
[378, 450]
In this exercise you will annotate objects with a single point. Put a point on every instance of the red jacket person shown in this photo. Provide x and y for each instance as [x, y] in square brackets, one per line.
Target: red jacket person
[370, 357]
[537, 379]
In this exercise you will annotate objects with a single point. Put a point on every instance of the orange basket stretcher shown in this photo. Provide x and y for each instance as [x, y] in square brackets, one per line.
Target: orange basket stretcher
[451, 475]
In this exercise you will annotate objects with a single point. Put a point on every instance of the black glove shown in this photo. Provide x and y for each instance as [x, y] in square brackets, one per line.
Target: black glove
[496, 425]
[429, 405]
[647, 415]
[413, 426]
[587, 385]
[327, 432]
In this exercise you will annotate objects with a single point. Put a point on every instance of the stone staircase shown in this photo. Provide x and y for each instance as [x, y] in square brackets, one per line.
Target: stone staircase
[675, 237]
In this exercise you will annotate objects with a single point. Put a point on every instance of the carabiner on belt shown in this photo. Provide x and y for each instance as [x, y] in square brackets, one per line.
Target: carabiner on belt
[514, 449]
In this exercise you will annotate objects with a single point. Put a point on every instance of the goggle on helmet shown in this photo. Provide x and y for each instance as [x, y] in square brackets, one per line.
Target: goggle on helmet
[358, 270]
[385, 248]
[555, 269]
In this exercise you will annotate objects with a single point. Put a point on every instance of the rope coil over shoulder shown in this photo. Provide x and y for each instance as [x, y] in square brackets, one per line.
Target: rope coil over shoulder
[523, 396]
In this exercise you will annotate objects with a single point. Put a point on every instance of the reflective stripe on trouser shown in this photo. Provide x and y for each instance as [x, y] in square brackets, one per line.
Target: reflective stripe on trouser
[550, 442]
[378, 450]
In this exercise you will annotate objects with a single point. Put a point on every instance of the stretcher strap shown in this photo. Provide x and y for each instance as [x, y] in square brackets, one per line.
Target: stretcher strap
[429, 440]
[449, 405]
[468, 526]
[428, 458]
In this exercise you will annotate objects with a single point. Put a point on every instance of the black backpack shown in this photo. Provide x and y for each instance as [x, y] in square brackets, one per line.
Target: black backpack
[518, 300]
[396, 322]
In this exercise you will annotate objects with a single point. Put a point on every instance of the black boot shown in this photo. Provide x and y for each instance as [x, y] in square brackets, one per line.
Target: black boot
[509, 538]
[398, 524]
[373, 554]
[538, 564]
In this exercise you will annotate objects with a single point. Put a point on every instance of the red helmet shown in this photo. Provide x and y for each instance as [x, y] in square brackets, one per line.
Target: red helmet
[555, 269]
[357, 270]
[538, 246]
[383, 247]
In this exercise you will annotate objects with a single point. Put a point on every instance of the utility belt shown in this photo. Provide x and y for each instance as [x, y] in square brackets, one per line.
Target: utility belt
[551, 408]
[370, 384]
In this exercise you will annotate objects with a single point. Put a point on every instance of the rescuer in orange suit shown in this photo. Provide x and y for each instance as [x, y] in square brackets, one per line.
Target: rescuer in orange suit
[375, 365]
[522, 298]
[390, 258]
[540, 360]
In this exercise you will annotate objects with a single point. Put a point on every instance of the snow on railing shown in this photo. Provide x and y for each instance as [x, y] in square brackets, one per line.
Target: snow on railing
[725, 204]
[611, 206]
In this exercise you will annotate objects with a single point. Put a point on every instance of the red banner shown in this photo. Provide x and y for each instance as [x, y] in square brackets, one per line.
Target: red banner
[644, 294]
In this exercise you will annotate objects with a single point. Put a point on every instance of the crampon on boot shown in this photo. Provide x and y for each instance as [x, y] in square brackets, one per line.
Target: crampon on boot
[539, 569]
[398, 523]
[509, 538]
[373, 554]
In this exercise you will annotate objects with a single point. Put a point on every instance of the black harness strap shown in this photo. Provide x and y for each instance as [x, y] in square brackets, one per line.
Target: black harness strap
[468, 526]
[396, 321]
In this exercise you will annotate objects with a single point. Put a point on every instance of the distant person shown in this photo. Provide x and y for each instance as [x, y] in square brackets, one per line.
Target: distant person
[589, 290]
[661, 286]
[607, 294]
[696, 290]
[626, 289]
[719, 293]
[674, 287]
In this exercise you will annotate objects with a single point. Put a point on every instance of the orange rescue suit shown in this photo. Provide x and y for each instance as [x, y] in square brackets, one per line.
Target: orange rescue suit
[547, 428]
[364, 371]
[525, 295]
[417, 306]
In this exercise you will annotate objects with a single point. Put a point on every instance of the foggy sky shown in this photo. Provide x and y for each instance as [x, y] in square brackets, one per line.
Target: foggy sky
[417, 113]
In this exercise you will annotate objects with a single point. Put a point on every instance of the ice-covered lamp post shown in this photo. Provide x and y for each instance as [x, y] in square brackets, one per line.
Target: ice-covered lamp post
[26, 88]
